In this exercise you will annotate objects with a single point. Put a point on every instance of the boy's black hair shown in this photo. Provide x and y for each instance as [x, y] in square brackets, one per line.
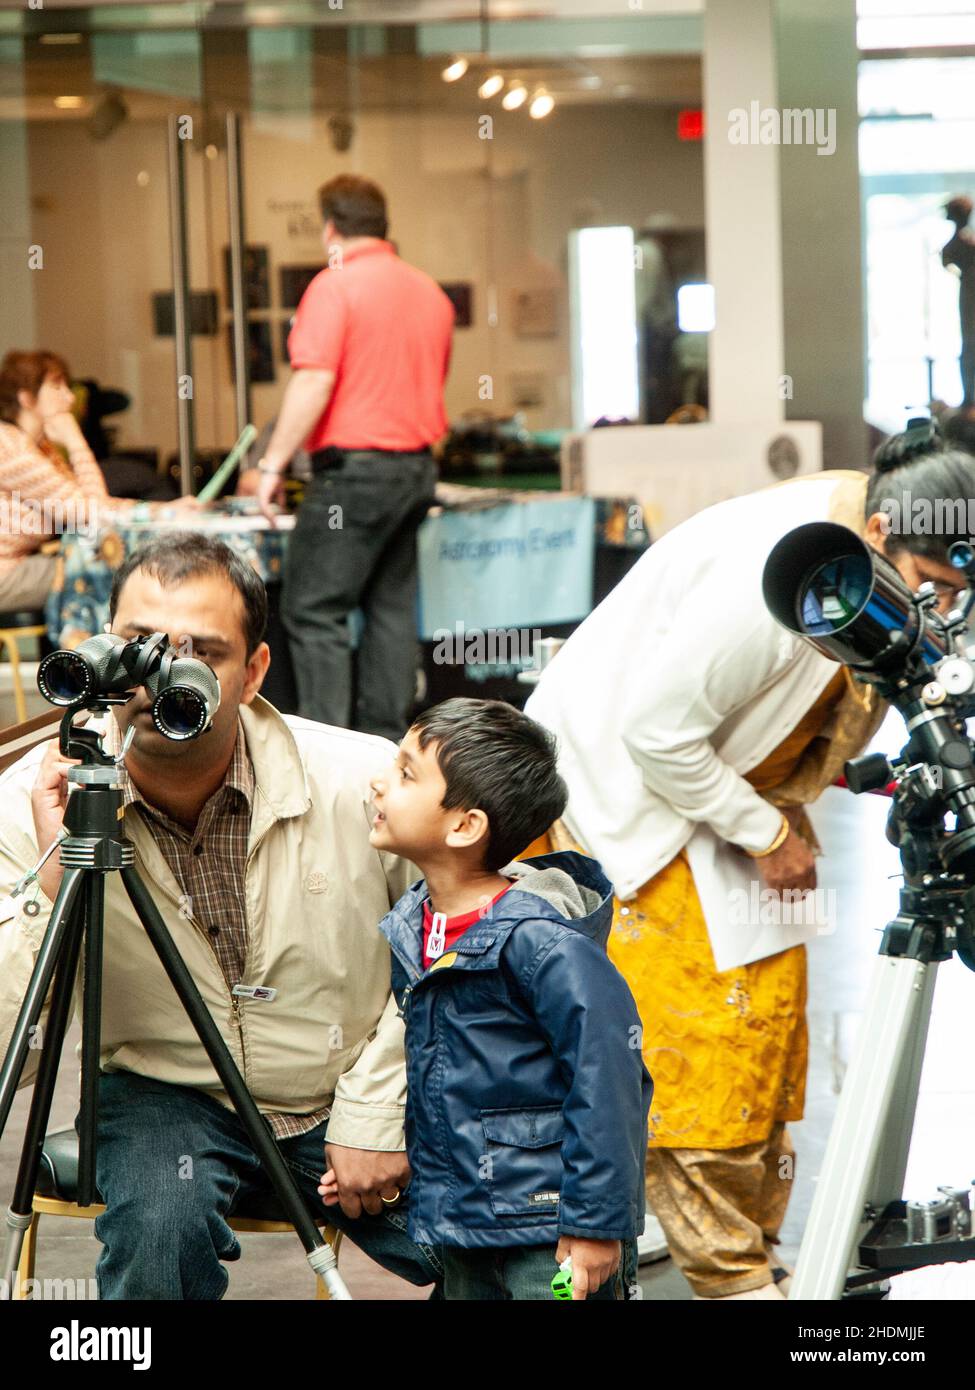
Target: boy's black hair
[497, 760]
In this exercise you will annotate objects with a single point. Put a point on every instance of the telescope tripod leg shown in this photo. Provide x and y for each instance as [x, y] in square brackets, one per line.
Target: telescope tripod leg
[869, 1142]
[20, 1211]
[887, 1182]
[91, 1029]
[319, 1253]
[41, 978]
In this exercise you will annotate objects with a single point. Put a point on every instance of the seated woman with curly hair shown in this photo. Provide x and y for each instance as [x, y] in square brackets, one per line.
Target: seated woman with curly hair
[49, 479]
[36, 477]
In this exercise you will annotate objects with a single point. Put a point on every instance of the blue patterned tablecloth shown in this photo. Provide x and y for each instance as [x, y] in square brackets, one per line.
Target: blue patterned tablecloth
[78, 605]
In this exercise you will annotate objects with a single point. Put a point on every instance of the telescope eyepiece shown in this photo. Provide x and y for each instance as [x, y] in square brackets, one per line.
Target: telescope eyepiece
[962, 556]
[77, 676]
[184, 706]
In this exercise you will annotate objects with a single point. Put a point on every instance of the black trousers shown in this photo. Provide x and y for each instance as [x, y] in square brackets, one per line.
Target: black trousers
[354, 546]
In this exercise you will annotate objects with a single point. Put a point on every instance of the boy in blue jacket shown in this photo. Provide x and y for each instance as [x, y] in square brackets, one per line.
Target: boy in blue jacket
[527, 1097]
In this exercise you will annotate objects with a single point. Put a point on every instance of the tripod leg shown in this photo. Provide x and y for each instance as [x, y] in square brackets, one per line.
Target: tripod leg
[20, 1211]
[37, 991]
[886, 1053]
[91, 1037]
[320, 1256]
[887, 1182]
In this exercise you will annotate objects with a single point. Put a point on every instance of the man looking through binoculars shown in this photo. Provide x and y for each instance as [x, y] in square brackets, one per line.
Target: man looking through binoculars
[253, 841]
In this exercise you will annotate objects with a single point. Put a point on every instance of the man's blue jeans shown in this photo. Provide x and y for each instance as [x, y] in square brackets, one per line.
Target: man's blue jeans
[173, 1164]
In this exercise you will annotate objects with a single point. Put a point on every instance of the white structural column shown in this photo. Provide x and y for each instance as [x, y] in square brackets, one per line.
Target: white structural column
[823, 311]
[742, 215]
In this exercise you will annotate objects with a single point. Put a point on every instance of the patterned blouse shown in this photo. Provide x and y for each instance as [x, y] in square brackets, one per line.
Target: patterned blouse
[42, 495]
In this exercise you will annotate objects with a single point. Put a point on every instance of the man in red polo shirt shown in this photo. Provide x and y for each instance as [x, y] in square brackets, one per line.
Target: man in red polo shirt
[369, 349]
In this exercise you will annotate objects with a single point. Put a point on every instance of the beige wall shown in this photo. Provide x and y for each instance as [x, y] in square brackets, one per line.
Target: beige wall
[106, 238]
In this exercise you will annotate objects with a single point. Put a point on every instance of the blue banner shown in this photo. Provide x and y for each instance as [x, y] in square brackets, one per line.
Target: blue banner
[522, 564]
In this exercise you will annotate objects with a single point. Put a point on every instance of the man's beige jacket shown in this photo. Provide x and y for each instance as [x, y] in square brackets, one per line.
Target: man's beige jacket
[315, 891]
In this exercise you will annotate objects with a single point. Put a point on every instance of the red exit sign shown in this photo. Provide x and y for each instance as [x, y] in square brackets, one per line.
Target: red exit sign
[690, 125]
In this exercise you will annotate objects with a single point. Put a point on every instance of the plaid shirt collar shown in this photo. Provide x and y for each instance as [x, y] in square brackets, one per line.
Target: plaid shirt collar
[237, 788]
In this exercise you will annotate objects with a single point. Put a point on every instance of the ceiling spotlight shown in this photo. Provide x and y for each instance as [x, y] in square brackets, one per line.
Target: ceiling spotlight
[491, 86]
[69, 103]
[515, 96]
[541, 104]
[341, 130]
[455, 70]
[107, 116]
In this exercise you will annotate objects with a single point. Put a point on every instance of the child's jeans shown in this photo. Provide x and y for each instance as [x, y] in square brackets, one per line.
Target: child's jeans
[524, 1272]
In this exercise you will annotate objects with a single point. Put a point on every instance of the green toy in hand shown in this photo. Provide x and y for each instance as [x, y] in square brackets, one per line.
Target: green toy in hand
[562, 1282]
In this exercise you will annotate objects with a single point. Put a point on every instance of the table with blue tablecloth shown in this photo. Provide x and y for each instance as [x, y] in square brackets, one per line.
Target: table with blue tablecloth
[488, 558]
[78, 606]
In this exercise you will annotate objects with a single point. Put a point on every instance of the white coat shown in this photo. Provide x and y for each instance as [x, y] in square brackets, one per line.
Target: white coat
[678, 684]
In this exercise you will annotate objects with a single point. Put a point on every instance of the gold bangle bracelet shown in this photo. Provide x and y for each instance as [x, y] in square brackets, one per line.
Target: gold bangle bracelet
[777, 843]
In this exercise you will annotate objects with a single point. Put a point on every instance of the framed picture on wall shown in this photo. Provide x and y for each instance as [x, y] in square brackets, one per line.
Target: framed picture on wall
[259, 352]
[536, 312]
[294, 280]
[203, 313]
[527, 390]
[461, 296]
[257, 277]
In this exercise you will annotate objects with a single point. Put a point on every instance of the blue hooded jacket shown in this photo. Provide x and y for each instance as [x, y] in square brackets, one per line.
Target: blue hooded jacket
[527, 1097]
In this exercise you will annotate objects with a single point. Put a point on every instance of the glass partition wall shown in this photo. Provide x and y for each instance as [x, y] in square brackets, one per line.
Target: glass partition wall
[917, 152]
[494, 143]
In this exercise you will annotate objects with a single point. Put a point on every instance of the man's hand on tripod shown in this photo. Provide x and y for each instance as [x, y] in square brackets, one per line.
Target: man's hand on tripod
[48, 799]
[792, 867]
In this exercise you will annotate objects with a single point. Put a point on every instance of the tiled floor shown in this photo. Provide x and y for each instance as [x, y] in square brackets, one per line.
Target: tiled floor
[860, 865]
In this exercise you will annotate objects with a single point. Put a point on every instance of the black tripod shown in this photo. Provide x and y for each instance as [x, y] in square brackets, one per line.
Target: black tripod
[96, 845]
